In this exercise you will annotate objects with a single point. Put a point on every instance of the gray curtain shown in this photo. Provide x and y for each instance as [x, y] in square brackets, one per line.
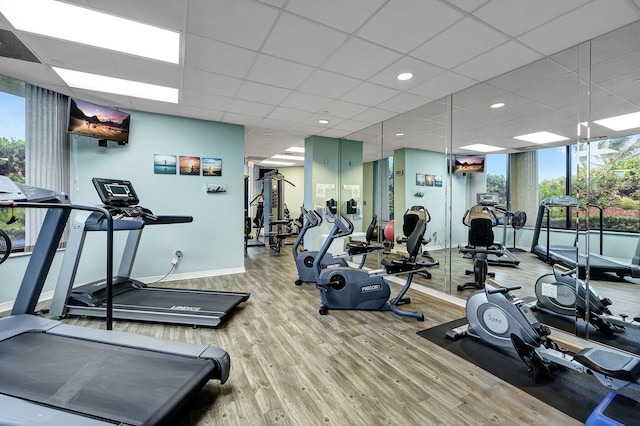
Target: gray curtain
[46, 151]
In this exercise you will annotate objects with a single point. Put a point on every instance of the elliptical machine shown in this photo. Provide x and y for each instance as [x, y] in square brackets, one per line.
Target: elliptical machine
[556, 293]
[351, 288]
[305, 259]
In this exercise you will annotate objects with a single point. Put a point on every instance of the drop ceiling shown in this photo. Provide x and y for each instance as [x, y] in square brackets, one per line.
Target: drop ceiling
[278, 66]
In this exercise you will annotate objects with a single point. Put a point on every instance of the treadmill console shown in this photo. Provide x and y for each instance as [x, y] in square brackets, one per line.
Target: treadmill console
[115, 192]
[487, 198]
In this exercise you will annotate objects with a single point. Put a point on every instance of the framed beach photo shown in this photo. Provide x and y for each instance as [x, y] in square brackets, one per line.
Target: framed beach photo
[211, 166]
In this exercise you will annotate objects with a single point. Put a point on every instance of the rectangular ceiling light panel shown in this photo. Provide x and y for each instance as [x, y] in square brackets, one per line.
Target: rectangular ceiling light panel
[480, 147]
[117, 86]
[621, 122]
[81, 25]
[541, 137]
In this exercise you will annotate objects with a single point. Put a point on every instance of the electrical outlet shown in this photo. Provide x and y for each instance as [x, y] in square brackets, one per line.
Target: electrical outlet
[176, 257]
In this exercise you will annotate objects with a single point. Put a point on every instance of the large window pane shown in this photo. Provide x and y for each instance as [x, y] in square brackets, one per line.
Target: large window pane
[12, 153]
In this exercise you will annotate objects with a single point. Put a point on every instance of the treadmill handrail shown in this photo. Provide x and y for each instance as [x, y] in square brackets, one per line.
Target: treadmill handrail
[109, 219]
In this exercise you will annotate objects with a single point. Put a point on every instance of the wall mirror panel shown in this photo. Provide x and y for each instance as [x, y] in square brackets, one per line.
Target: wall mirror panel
[581, 165]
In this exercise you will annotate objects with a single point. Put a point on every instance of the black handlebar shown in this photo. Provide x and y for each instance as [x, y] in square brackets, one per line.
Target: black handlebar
[503, 289]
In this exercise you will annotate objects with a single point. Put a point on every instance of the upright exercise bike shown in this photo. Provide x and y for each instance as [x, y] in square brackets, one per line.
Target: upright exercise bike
[352, 288]
[304, 259]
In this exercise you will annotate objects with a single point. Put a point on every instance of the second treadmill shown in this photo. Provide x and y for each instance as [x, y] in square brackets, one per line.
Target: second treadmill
[132, 299]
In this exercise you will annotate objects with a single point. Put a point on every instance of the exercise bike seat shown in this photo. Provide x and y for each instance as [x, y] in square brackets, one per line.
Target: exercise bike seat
[355, 248]
[612, 364]
[397, 263]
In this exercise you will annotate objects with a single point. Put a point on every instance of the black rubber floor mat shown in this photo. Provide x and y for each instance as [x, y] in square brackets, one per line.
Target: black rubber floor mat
[574, 394]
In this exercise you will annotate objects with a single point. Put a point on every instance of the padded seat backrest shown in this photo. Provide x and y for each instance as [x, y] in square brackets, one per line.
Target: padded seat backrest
[371, 228]
[411, 217]
[481, 232]
[415, 239]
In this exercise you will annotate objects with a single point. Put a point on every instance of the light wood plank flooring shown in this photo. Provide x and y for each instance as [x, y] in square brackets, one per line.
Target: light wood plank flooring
[292, 366]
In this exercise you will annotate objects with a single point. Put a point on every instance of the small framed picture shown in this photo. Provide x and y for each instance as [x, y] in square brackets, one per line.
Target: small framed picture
[211, 166]
[164, 164]
[420, 179]
[429, 179]
[189, 165]
[438, 180]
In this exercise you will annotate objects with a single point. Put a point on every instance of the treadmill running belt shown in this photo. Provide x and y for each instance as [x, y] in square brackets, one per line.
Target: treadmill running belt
[193, 303]
[95, 378]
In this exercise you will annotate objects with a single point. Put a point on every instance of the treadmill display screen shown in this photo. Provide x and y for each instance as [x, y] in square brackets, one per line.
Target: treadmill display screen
[114, 192]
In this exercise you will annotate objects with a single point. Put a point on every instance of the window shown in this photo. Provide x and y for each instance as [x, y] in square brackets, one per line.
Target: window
[12, 153]
[614, 183]
[496, 170]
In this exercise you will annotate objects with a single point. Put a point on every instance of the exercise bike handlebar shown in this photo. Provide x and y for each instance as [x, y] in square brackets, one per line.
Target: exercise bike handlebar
[503, 289]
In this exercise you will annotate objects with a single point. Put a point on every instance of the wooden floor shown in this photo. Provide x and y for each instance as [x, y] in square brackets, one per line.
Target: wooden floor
[292, 366]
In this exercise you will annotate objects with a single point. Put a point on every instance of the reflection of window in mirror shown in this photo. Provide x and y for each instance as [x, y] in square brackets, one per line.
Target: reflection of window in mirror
[496, 171]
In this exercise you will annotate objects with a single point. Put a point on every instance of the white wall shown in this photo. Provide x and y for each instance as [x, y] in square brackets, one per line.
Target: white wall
[294, 195]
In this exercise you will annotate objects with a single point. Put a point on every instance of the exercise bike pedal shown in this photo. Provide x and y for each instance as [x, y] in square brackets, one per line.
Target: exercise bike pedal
[491, 274]
[403, 301]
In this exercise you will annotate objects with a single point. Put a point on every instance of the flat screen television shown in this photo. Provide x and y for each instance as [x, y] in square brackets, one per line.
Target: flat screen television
[97, 121]
[468, 164]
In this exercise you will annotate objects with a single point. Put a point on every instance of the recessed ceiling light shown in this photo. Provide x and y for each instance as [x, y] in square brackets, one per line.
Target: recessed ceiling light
[541, 137]
[323, 121]
[497, 105]
[82, 25]
[621, 122]
[405, 76]
[480, 147]
[399, 134]
[117, 86]
[287, 157]
[277, 163]
[295, 149]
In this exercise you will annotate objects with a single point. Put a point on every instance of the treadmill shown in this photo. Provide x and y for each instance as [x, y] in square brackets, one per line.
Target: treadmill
[132, 299]
[566, 255]
[54, 373]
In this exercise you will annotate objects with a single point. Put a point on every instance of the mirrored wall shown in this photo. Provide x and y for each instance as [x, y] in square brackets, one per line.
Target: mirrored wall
[550, 153]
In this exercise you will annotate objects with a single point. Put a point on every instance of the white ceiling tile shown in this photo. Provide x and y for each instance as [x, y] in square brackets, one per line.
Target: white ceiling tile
[343, 15]
[302, 41]
[202, 114]
[277, 3]
[325, 83]
[421, 72]
[374, 115]
[507, 57]
[209, 55]
[360, 59]
[476, 94]
[288, 114]
[351, 125]
[344, 109]
[209, 82]
[404, 102]
[238, 106]
[263, 93]
[306, 101]
[242, 23]
[584, 23]
[403, 25]
[518, 17]
[278, 72]
[276, 127]
[534, 73]
[467, 5]
[444, 84]
[370, 94]
[241, 119]
[459, 43]
[196, 98]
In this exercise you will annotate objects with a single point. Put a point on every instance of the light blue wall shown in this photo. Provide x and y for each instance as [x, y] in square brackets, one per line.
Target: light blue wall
[213, 241]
